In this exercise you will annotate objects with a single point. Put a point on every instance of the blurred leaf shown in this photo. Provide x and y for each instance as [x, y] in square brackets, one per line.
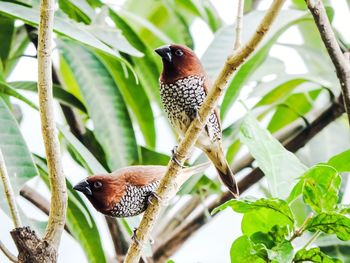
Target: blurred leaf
[58, 92]
[244, 250]
[331, 223]
[280, 166]
[86, 156]
[200, 184]
[146, 67]
[7, 28]
[19, 44]
[321, 187]
[18, 159]
[341, 161]
[61, 26]
[135, 98]
[8, 90]
[150, 157]
[105, 105]
[314, 255]
[74, 12]
[80, 222]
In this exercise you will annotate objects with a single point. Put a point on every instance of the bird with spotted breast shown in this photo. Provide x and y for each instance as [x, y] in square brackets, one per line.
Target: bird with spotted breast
[184, 85]
[127, 191]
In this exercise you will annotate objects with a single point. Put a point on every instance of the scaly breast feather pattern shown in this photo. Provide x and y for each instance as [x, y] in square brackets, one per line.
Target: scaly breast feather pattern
[182, 99]
[134, 201]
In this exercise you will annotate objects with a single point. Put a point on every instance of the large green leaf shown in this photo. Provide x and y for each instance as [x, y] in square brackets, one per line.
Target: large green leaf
[62, 26]
[79, 221]
[280, 166]
[341, 161]
[105, 104]
[7, 28]
[17, 157]
[244, 250]
[135, 97]
[321, 187]
[8, 90]
[331, 223]
[59, 93]
[313, 255]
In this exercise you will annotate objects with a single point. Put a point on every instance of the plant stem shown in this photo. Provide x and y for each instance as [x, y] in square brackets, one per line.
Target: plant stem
[239, 24]
[10, 196]
[300, 231]
[341, 63]
[312, 239]
[166, 187]
[8, 253]
[58, 206]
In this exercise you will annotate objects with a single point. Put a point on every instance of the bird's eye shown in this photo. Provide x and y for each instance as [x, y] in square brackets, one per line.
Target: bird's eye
[97, 184]
[179, 52]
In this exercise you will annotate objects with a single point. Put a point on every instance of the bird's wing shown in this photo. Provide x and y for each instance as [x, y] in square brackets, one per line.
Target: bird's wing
[141, 175]
[207, 84]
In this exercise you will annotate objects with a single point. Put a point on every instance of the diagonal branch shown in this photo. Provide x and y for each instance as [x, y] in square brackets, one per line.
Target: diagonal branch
[182, 233]
[58, 207]
[239, 24]
[340, 61]
[7, 253]
[167, 184]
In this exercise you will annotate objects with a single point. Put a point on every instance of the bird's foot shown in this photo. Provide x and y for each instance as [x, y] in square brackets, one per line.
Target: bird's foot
[196, 112]
[156, 196]
[139, 243]
[174, 159]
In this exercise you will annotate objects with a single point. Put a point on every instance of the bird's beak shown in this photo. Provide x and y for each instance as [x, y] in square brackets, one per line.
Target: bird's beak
[164, 52]
[84, 187]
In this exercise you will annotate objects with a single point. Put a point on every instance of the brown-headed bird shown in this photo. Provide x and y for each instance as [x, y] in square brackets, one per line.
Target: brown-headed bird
[127, 191]
[183, 87]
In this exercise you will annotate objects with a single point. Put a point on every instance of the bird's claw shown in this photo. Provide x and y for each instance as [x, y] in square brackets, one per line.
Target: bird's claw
[156, 196]
[139, 243]
[196, 113]
[173, 157]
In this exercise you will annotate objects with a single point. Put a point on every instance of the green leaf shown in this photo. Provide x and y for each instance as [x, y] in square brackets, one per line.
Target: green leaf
[18, 159]
[59, 93]
[321, 187]
[282, 252]
[8, 90]
[78, 10]
[150, 157]
[260, 215]
[7, 28]
[280, 166]
[62, 26]
[80, 222]
[341, 161]
[331, 223]
[244, 250]
[313, 255]
[135, 98]
[106, 106]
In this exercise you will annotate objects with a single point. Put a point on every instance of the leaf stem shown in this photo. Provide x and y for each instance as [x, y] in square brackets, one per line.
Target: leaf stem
[10, 196]
[312, 239]
[301, 229]
[166, 187]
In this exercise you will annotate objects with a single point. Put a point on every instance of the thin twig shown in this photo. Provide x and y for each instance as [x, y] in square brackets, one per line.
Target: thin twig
[166, 187]
[8, 253]
[301, 229]
[10, 195]
[58, 207]
[341, 64]
[183, 232]
[312, 239]
[239, 24]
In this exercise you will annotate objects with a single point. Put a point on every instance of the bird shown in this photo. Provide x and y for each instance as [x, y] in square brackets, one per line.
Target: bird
[127, 191]
[184, 85]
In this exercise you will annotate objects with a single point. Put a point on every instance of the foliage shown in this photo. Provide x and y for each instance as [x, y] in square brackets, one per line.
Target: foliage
[106, 83]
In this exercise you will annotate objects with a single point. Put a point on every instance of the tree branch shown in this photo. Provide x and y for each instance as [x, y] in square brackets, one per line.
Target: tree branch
[10, 195]
[341, 64]
[182, 233]
[58, 206]
[239, 24]
[167, 184]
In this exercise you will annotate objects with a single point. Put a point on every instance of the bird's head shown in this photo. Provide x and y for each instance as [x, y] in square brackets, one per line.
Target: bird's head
[103, 191]
[178, 62]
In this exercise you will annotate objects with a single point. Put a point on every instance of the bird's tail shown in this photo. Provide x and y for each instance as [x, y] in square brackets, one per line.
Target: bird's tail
[216, 154]
[186, 173]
